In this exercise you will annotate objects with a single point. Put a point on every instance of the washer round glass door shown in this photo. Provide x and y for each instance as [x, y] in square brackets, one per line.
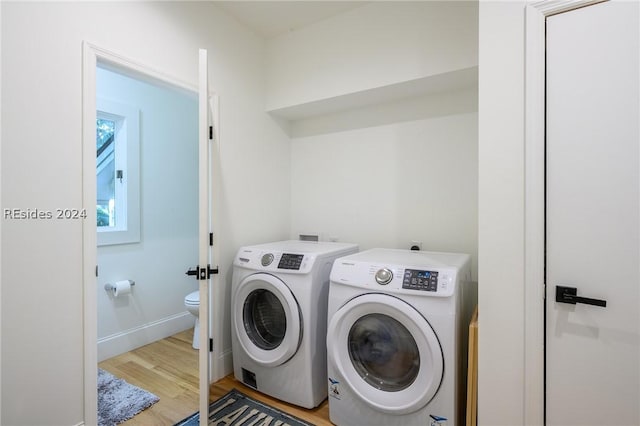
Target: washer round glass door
[267, 319]
[387, 353]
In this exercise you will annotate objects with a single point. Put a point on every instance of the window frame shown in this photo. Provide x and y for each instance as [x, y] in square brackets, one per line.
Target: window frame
[127, 159]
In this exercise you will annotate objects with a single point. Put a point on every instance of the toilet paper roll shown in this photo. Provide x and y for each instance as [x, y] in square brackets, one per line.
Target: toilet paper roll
[121, 288]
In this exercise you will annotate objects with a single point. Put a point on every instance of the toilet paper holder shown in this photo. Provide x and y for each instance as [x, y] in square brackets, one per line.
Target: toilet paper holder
[111, 287]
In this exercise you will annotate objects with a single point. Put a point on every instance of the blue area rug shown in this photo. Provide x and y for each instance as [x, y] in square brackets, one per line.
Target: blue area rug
[118, 400]
[237, 409]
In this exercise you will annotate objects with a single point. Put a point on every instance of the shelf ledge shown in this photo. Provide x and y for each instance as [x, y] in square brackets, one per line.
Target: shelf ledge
[444, 82]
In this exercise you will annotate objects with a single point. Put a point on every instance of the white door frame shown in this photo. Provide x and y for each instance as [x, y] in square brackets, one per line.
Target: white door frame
[91, 56]
[204, 218]
[536, 14]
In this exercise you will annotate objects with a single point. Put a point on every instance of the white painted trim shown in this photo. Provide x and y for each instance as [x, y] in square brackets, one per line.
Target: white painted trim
[89, 235]
[1, 204]
[226, 361]
[127, 158]
[204, 256]
[132, 68]
[219, 367]
[534, 218]
[125, 341]
[547, 8]
[536, 14]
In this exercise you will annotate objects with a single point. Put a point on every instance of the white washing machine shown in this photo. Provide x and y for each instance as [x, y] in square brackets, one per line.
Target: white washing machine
[279, 318]
[396, 337]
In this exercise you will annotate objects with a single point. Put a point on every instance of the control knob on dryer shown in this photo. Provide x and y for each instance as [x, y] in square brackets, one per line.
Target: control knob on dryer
[384, 276]
[267, 259]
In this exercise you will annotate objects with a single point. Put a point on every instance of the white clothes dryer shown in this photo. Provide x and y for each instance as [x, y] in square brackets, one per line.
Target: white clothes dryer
[396, 337]
[279, 318]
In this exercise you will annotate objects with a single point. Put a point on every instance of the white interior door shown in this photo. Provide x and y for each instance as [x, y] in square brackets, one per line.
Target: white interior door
[204, 258]
[593, 216]
[208, 158]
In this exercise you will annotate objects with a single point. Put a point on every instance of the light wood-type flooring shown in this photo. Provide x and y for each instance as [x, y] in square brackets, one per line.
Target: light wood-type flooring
[169, 369]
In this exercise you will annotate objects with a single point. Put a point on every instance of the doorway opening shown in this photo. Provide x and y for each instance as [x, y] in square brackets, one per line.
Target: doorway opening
[163, 211]
[140, 174]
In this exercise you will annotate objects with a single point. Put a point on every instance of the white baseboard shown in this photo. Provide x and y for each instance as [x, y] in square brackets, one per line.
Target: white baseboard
[225, 361]
[133, 338]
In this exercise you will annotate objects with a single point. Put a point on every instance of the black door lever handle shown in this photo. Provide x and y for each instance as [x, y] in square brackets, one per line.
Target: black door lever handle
[570, 295]
[202, 273]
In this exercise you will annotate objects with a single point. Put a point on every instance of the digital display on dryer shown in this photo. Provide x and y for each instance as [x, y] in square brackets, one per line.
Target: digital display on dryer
[420, 280]
[290, 261]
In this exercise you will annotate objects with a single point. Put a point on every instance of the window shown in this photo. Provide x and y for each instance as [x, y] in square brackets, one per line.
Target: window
[117, 173]
[106, 170]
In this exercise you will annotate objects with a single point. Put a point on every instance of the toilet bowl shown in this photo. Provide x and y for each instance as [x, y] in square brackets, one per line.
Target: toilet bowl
[192, 303]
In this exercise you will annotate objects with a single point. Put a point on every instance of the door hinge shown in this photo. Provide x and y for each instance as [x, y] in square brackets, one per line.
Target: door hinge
[96, 270]
[211, 133]
[210, 345]
[211, 239]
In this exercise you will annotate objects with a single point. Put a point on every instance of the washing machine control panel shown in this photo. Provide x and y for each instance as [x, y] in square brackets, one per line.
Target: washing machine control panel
[415, 279]
[426, 281]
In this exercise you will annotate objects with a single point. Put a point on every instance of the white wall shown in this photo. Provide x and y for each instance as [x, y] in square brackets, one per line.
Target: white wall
[168, 243]
[380, 44]
[401, 166]
[1, 220]
[501, 213]
[386, 185]
[42, 348]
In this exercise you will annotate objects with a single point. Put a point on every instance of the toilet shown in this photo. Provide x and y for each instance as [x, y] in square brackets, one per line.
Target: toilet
[192, 303]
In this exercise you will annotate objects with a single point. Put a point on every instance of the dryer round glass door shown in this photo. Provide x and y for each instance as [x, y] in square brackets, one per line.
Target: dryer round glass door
[387, 353]
[267, 319]
[383, 352]
[264, 319]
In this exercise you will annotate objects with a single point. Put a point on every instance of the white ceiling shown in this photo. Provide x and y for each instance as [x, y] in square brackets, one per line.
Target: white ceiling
[271, 18]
